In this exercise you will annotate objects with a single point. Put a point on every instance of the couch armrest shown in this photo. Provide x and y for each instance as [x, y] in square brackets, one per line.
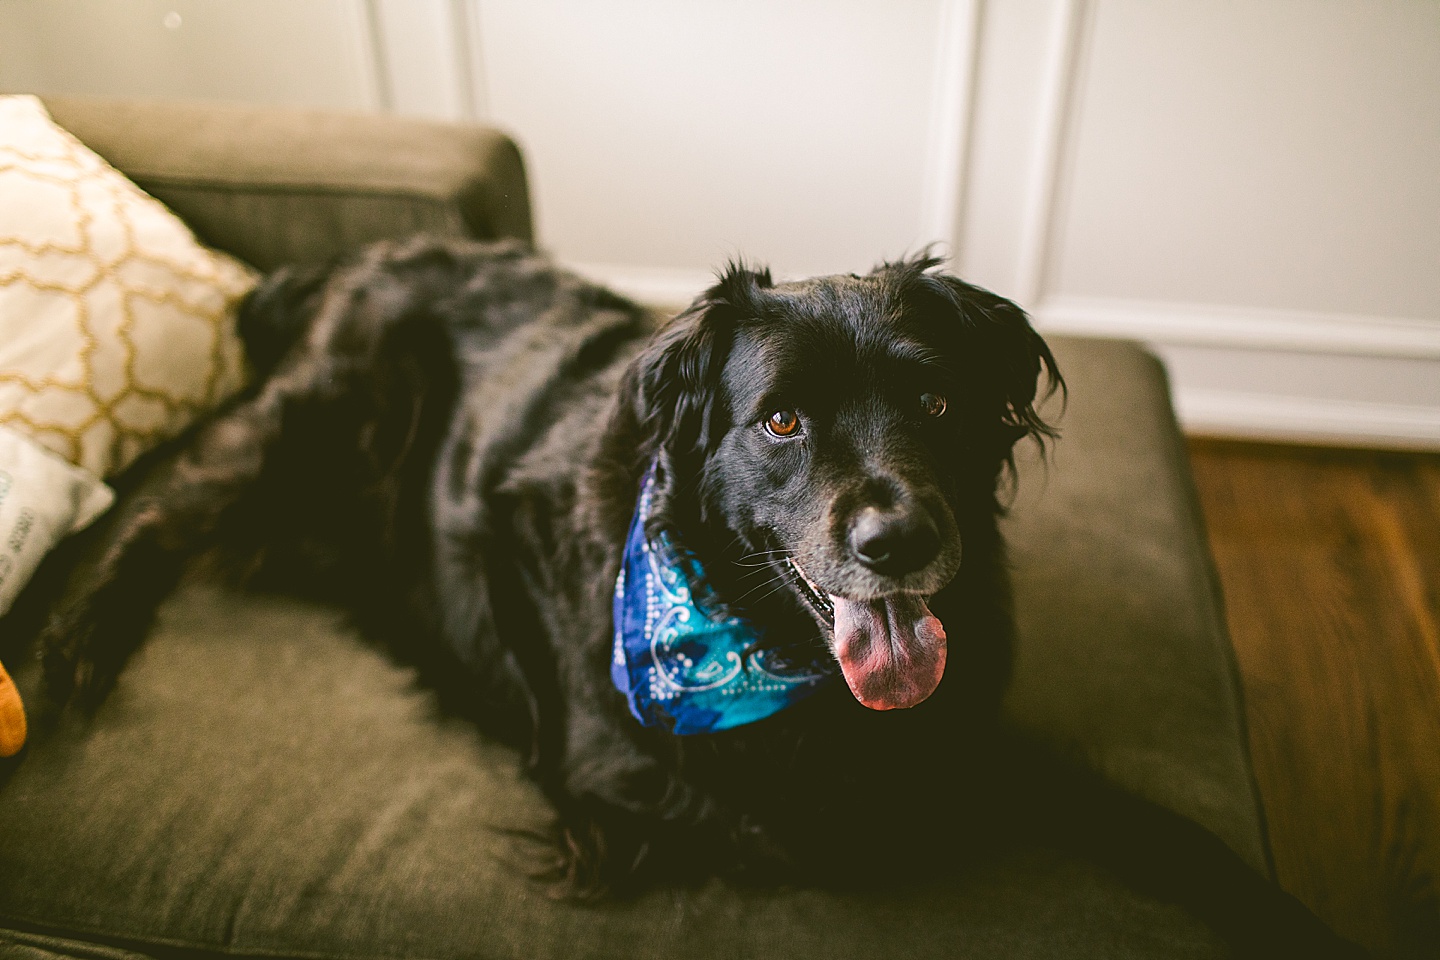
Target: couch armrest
[274, 185]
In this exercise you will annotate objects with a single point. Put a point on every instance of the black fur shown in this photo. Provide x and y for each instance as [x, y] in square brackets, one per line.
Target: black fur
[447, 438]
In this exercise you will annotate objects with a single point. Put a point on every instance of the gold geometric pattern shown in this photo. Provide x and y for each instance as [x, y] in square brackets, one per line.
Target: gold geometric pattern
[116, 325]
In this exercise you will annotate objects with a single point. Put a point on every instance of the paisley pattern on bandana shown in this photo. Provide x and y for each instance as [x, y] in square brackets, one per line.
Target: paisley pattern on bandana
[682, 669]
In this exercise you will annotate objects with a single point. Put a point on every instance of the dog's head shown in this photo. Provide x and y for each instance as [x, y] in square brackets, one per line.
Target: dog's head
[841, 434]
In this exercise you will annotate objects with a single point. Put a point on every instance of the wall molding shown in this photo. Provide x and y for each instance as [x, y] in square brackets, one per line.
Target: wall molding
[367, 48]
[473, 91]
[1303, 409]
[1249, 328]
[951, 124]
[1065, 47]
[1314, 420]
[420, 55]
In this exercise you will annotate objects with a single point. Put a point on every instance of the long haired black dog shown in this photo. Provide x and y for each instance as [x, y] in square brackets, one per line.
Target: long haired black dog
[454, 439]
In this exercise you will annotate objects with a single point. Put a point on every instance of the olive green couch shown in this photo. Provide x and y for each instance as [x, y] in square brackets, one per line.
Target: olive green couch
[263, 784]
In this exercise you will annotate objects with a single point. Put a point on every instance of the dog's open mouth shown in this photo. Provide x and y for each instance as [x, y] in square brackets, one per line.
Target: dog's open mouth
[890, 649]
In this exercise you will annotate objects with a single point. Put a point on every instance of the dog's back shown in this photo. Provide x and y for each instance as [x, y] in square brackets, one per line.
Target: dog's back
[394, 394]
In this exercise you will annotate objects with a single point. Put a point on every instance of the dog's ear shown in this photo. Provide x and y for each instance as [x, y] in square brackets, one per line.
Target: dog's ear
[673, 386]
[1016, 357]
[671, 404]
[1000, 353]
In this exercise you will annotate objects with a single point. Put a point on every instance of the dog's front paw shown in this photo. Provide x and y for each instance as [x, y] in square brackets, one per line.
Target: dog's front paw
[67, 653]
[592, 854]
[606, 850]
[90, 634]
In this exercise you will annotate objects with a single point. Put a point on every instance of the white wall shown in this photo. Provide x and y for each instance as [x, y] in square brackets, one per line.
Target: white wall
[672, 135]
[267, 51]
[1256, 186]
[1253, 187]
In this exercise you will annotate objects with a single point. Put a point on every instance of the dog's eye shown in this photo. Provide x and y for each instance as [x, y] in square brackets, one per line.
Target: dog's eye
[932, 404]
[783, 423]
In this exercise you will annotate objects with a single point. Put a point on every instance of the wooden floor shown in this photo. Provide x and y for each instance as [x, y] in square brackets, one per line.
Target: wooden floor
[1330, 563]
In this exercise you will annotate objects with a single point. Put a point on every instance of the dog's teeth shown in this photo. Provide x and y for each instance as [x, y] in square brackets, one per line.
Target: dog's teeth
[808, 582]
[819, 598]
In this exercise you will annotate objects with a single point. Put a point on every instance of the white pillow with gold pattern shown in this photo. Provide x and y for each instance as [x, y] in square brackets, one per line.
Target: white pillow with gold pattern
[116, 325]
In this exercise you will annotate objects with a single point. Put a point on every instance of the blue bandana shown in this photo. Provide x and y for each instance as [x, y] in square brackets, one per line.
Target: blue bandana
[682, 669]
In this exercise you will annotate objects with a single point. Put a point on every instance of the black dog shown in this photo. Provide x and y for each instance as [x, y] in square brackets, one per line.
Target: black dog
[454, 439]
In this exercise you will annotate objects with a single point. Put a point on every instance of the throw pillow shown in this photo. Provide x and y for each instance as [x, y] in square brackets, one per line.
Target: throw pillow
[116, 332]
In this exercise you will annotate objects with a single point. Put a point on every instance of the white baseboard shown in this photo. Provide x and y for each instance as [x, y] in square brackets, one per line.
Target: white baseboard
[1254, 328]
[1285, 376]
[1325, 422]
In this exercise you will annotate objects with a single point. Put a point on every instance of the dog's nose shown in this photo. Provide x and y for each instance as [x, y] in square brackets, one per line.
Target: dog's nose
[894, 542]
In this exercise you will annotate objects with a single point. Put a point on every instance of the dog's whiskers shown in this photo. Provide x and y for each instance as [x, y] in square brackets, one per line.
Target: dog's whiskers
[761, 558]
[774, 581]
[760, 564]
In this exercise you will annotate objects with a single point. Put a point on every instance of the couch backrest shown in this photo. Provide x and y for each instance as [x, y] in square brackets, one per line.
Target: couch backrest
[276, 185]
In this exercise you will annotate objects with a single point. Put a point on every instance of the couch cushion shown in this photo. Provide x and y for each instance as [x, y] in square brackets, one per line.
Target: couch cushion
[1123, 649]
[262, 783]
[323, 184]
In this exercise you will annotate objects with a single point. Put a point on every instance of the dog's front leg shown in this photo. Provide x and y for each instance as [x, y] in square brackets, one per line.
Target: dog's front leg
[133, 556]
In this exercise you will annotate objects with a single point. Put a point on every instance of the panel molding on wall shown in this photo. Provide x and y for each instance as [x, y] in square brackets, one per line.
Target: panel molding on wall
[952, 116]
[1255, 328]
[425, 57]
[1316, 356]
[1315, 420]
[470, 58]
[1313, 409]
[1064, 57]
[374, 65]
[1309, 404]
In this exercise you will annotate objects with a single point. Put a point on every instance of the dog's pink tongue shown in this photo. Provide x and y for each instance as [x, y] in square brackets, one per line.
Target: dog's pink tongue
[892, 651]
